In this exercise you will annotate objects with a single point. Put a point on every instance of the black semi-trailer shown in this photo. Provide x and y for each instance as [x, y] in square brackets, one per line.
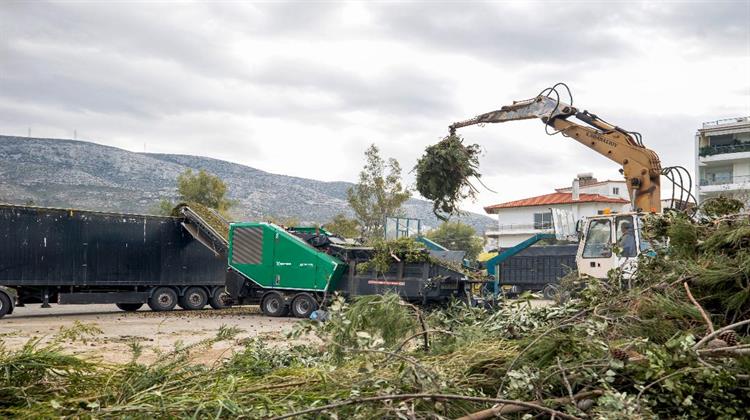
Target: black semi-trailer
[82, 257]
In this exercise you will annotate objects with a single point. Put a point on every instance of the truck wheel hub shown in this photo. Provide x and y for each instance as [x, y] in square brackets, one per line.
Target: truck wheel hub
[303, 306]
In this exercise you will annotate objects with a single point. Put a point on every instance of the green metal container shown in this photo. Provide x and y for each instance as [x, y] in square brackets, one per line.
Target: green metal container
[272, 258]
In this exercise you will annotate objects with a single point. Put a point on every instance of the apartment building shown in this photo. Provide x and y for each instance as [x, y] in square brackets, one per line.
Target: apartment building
[722, 165]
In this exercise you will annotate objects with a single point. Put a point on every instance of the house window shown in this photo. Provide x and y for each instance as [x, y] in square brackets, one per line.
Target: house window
[543, 220]
[616, 190]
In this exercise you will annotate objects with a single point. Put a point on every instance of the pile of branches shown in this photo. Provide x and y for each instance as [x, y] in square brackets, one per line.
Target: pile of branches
[386, 253]
[670, 342]
[444, 174]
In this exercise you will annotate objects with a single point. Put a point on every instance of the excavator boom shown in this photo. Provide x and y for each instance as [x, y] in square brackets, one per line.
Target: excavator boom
[640, 166]
[540, 107]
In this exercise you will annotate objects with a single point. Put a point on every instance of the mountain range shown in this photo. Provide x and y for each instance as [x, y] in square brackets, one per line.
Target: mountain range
[79, 174]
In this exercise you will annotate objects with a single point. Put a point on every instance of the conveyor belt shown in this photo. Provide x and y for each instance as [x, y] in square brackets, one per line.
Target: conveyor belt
[203, 231]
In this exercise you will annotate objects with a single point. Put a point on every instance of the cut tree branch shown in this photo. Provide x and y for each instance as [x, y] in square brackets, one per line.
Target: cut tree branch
[515, 408]
[700, 308]
[707, 338]
[443, 397]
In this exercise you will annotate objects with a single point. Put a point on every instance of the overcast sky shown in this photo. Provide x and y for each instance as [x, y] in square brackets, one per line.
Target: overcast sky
[302, 88]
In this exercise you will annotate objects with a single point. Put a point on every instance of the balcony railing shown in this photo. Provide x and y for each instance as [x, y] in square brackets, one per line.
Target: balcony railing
[726, 180]
[725, 121]
[718, 150]
[530, 226]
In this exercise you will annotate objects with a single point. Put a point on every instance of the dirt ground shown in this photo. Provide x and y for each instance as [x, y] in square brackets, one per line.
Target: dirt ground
[155, 331]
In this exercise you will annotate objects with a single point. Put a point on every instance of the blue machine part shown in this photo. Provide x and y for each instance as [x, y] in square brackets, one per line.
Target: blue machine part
[493, 262]
[431, 245]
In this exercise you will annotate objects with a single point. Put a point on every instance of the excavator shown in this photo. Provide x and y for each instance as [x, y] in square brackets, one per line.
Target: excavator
[599, 236]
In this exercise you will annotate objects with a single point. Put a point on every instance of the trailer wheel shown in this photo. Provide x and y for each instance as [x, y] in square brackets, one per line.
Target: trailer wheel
[129, 307]
[273, 304]
[550, 291]
[5, 304]
[219, 299]
[194, 298]
[303, 305]
[163, 299]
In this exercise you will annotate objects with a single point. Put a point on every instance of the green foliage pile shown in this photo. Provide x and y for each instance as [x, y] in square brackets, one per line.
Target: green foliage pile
[404, 249]
[721, 206]
[623, 348]
[711, 253]
[444, 173]
[371, 321]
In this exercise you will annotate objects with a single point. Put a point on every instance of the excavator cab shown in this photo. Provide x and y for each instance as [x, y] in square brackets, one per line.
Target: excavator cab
[610, 241]
[605, 241]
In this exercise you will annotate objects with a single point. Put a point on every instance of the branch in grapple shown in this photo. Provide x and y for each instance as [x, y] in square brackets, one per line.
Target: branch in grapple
[443, 174]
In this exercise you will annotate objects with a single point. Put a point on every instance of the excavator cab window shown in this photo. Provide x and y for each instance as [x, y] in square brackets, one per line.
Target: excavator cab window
[598, 239]
[626, 240]
[645, 247]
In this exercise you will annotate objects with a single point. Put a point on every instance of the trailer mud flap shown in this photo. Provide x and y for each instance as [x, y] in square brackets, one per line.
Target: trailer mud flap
[234, 284]
[113, 297]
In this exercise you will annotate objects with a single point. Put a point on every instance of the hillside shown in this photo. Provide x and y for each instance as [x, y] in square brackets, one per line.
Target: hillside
[79, 174]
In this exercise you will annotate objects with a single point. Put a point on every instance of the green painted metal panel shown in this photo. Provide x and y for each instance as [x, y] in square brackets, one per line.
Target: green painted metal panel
[273, 258]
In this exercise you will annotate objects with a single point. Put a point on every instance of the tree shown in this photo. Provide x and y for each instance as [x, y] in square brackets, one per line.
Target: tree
[202, 188]
[343, 226]
[163, 207]
[457, 236]
[377, 194]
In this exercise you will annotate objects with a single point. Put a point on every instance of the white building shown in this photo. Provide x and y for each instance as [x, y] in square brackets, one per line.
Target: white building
[722, 163]
[521, 219]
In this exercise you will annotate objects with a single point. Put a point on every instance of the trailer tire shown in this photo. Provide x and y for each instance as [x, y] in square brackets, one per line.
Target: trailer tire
[129, 307]
[303, 305]
[163, 299]
[273, 304]
[219, 299]
[193, 299]
[5, 304]
[550, 291]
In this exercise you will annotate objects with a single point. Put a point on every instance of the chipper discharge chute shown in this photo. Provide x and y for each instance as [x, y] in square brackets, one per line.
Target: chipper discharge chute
[206, 225]
[297, 269]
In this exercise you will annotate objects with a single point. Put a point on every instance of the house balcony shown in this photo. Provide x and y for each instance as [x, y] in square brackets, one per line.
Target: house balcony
[520, 229]
[729, 183]
[726, 154]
